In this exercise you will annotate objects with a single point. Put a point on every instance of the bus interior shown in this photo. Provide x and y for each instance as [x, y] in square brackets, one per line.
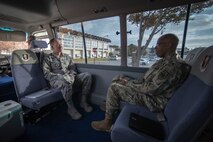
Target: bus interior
[105, 38]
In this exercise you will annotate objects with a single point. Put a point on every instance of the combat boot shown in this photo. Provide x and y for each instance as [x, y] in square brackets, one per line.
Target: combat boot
[103, 125]
[85, 105]
[75, 115]
[72, 111]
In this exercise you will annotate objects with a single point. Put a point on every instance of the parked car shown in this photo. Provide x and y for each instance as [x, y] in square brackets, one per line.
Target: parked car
[114, 57]
[144, 61]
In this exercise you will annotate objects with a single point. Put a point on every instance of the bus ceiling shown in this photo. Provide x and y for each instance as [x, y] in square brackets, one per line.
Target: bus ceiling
[96, 9]
[31, 14]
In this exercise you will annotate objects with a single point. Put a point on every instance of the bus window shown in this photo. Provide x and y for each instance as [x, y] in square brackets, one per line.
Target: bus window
[102, 43]
[142, 41]
[7, 47]
[200, 29]
[10, 40]
[146, 27]
[72, 41]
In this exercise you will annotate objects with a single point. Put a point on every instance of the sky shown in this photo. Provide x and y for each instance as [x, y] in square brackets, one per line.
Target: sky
[200, 30]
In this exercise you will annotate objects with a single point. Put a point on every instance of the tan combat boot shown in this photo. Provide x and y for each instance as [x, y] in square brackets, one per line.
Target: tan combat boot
[103, 125]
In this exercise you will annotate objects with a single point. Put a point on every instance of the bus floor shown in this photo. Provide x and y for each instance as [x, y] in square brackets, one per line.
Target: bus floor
[57, 126]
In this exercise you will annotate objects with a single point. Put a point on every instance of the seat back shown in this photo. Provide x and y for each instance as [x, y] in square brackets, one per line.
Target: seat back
[190, 108]
[193, 54]
[27, 73]
[37, 46]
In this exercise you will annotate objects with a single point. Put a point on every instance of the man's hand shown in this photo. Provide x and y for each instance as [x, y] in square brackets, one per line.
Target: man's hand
[69, 78]
[123, 81]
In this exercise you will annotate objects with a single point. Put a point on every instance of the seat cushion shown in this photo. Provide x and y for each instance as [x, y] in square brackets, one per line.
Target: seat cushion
[121, 125]
[41, 98]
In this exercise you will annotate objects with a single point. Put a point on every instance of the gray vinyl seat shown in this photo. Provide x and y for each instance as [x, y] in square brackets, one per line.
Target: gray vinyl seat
[38, 47]
[187, 113]
[193, 55]
[30, 85]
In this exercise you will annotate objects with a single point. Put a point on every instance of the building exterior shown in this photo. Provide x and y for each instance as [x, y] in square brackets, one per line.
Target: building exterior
[7, 47]
[73, 44]
[71, 40]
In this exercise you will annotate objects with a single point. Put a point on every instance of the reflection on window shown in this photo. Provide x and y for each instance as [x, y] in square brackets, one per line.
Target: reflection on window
[100, 38]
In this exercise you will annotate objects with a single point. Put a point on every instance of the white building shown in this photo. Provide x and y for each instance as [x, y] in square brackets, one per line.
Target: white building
[72, 42]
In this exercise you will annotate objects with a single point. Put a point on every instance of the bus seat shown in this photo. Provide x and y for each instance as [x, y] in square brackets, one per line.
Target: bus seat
[193, 54]
[7, 88]
[187, 113]
[37, 46]
[30, 85]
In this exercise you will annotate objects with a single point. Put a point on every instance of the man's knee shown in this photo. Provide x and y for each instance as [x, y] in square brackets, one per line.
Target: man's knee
[114, 87]
[88, 75]
[84, 76]
[59, 83]
[87, 79]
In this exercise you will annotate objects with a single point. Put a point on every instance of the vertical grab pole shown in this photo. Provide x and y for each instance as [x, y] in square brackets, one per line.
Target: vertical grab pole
[185, 29]
[85, 49]
[123, 40]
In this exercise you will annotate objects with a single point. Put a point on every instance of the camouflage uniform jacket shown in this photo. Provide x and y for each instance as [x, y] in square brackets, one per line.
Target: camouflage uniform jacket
[159, 82]
[59, 68]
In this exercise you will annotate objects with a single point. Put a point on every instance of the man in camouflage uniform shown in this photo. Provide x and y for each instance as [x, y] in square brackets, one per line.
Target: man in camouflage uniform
[29, 40]
[153, 90]
[59, 71]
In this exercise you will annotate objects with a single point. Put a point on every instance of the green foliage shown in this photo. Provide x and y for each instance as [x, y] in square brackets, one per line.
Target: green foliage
[161, 17]
[131, 48]
[110, 54]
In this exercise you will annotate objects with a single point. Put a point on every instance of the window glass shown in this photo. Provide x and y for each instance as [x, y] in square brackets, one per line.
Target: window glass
[146, 27]
[200, 27]
[7, 47]
[72, 41]
[100, 37]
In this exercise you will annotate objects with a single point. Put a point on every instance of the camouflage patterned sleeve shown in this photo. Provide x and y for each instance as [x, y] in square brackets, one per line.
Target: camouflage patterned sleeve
[72, 66]
[137, 81]
[162, 80]
[135, 84]
[47, 69]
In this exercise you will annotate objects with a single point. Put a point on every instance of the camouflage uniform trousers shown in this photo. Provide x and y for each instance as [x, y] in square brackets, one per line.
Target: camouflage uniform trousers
[118, 92]
[82, 80]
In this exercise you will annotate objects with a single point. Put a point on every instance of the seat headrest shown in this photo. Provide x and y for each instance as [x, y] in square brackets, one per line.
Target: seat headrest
[193, 54]
[38, 44]
[203, 66]
[24, 56]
